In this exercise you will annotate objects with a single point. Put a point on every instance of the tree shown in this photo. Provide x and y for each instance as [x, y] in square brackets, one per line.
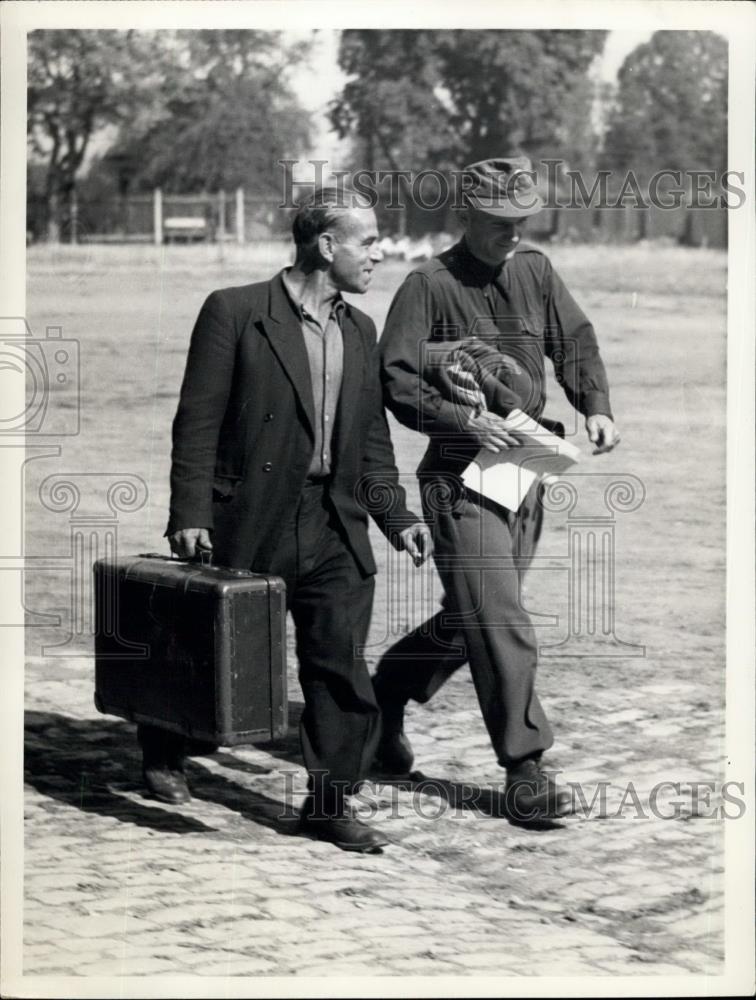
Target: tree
[79, 82]
[223, 116]
[391, 105]
[442, 98]
[512, 89]
[191, 111]
[670, 109]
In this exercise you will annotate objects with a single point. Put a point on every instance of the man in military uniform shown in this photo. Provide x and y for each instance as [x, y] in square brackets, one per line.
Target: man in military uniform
[489, 297]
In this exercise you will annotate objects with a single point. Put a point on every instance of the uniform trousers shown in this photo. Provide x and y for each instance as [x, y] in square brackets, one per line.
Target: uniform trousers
[481, 552]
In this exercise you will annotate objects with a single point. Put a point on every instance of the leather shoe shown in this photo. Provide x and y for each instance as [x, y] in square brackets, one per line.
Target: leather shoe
[393, 756]
[344, 831]
[532, 795]
[166, 785]
[163, 755]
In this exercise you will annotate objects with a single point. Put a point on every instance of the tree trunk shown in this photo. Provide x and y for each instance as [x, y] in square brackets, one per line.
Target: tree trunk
[53, 216]
[643, 224]
[66, 201]
[686, 237]
[73, 209]
[556, 219]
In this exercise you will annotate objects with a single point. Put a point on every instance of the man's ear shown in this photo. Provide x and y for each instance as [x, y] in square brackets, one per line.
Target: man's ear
[325, 246]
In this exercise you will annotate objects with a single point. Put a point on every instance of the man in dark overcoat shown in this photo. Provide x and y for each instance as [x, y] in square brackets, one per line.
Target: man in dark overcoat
[281, 448]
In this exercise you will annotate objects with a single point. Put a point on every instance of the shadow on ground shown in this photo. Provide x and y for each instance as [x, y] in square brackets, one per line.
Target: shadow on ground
[90, 763]
[480, 799]
[95, 765]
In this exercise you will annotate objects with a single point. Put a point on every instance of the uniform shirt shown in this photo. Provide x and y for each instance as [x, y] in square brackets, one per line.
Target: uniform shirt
[522, 308]
[325, 352]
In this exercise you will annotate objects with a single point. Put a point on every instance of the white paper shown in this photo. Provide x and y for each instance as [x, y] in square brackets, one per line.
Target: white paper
[505, 477]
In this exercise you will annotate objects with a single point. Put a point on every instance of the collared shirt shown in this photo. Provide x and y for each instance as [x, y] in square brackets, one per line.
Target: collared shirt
[325, 352]
[523, 308]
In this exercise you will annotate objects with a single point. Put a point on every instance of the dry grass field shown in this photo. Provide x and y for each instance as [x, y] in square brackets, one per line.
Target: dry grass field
[660, 316]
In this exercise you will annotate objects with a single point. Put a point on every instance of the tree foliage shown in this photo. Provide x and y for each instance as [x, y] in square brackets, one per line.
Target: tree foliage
[670, 110]
[223, 117]
[390, 104]
[443, 98]
[515, 88]
[191, 110]
[79, 82]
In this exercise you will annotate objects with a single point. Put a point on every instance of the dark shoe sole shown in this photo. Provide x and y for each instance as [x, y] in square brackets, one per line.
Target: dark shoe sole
[372, 847]
[369, 849]
[149, 794]
[181, 796]
[382, 776]
[535, 814]
[397, 762]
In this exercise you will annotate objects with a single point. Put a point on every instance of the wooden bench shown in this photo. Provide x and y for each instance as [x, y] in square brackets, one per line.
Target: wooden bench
[186, 227]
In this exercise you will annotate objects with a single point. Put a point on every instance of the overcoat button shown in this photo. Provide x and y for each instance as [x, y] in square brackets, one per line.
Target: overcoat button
[268, 417]
[267, 467]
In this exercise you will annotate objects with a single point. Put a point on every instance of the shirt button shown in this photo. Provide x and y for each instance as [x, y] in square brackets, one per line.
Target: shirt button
[268, 417]
[267, 467]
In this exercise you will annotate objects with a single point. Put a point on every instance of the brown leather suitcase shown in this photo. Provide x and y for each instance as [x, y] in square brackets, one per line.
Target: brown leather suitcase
[197, 649]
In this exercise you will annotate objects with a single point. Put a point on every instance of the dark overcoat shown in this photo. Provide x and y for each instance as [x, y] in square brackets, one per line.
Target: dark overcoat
[243, 433]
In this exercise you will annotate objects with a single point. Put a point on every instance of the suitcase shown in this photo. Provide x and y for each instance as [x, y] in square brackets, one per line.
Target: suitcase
[197, 649]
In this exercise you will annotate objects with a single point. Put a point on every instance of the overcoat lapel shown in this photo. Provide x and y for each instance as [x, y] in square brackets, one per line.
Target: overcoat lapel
[284, 333]
[352, 383]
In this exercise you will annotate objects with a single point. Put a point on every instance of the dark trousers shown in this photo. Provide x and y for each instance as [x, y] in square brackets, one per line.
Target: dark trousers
[481, 552]
[331, 603]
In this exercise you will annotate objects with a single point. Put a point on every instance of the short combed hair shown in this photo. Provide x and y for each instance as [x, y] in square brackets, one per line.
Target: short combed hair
[319, 212]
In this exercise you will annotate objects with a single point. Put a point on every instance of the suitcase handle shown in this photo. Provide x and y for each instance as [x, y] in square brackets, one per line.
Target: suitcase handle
[202, 556]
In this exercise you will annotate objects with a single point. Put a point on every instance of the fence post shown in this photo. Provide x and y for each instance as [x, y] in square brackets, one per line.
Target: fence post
[53, 222]
[157, 215]
[221, 216]
[240, 215]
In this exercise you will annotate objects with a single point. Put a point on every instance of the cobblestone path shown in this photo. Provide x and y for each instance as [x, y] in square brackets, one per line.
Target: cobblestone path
[119, 885]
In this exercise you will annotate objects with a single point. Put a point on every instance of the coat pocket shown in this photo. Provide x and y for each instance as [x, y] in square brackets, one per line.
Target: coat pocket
[224, 488]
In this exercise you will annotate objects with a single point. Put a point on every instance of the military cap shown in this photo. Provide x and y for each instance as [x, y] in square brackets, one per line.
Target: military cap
[503, 187]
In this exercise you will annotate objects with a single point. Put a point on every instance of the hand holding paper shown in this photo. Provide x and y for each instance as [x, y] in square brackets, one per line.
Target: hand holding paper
[505, 477]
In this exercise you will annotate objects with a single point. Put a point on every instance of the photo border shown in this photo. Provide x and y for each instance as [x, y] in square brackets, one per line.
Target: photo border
[736, 21]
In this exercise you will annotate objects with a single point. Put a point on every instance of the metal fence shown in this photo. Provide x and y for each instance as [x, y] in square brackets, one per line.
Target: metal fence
[168, 218]
[701, 227]
[243, 218]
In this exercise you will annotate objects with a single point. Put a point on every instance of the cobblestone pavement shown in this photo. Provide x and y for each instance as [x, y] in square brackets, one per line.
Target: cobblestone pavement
[119, 885]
